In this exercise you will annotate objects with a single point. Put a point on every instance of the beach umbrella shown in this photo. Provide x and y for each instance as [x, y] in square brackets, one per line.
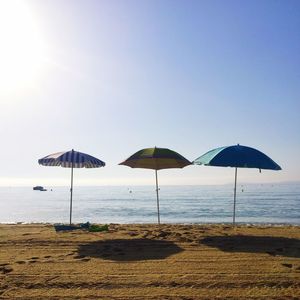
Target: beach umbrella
[156, 159]
[237, 156]
[71, 159]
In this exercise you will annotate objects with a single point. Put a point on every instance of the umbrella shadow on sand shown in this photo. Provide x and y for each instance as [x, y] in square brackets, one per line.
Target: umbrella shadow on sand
[129, 249]
[288, 247]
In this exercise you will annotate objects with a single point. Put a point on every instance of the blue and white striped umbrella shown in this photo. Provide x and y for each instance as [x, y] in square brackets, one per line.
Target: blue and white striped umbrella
[71, 159]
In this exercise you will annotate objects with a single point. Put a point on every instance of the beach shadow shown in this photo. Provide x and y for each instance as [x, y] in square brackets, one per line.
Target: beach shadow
[129, 249]
[288, 247]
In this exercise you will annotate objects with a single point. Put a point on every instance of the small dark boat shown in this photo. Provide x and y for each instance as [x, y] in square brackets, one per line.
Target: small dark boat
[39, 188]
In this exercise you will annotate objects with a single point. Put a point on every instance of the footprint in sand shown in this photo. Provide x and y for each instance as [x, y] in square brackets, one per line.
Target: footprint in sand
[145, 235]
[47, 256]
[132, 233]
[4, 264]
[163, 234]
[33, 259]
[5, 269]
[288, 265]
[85, 259]
[79, 256]
[226, 227]
[21, 262]
[82, 258]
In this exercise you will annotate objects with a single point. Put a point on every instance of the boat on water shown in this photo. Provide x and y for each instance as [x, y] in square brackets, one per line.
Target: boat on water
[39, 188]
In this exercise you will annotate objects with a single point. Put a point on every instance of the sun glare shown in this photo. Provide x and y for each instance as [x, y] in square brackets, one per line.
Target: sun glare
[21, 46]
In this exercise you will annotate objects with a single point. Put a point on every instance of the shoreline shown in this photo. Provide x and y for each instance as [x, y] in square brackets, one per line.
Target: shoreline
[237, 224]
[144, 261]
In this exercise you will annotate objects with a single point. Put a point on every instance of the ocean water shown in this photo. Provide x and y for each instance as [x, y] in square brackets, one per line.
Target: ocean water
[256, 203]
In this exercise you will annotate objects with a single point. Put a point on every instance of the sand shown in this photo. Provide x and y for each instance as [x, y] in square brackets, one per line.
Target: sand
[145, 262]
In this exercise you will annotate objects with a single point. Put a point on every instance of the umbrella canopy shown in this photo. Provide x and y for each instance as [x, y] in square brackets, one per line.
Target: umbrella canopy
[156, 159]
[237, 156]
[71, 159]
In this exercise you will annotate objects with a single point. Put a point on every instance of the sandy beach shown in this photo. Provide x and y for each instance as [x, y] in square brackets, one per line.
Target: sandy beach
[147, 262]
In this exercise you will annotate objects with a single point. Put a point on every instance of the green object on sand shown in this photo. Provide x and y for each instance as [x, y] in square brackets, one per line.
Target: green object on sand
[97, 228]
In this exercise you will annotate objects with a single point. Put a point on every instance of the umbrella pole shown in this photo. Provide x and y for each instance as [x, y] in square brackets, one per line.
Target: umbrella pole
[157, 198]
[71, 191]
[234, 197]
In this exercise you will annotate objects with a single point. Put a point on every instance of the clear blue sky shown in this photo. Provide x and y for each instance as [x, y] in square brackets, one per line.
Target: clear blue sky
[111, 77]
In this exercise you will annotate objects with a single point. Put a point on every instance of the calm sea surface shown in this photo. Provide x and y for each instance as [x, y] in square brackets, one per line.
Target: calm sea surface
[263, 203]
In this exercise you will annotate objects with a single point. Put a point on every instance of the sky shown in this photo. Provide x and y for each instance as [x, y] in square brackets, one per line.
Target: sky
[111, 77]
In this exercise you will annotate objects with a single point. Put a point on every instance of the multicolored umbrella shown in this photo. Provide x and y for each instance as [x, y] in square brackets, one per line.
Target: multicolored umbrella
[156, 159]
[71, 159]
[237, 156]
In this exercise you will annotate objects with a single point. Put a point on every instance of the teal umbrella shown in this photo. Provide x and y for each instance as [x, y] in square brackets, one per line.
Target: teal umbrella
[237, 156]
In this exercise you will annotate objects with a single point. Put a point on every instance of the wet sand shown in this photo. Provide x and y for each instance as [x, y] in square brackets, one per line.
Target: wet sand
[147, 262]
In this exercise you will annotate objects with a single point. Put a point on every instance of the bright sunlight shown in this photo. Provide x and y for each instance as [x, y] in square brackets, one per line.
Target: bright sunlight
[21, 46]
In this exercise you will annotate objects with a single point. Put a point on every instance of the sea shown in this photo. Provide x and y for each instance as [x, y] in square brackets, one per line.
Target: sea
[256, 204]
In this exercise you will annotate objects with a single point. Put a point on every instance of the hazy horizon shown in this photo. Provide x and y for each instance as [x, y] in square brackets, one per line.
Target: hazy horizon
[162, 185]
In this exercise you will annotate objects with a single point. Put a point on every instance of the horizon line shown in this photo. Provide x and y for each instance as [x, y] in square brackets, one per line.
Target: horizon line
[118, 185]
